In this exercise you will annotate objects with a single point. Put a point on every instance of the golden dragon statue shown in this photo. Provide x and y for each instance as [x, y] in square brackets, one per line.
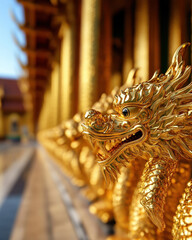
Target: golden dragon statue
[74, 155]
[148, 140]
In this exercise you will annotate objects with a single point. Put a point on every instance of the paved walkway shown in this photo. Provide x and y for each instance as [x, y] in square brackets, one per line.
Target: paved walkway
[5, 144]
[52, 208]
[14, 165]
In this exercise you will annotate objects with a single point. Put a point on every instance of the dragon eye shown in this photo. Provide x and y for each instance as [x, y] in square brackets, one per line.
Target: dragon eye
[125, 112]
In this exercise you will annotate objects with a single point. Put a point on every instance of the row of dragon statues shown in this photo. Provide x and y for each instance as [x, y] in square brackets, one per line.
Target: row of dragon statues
[132, 154]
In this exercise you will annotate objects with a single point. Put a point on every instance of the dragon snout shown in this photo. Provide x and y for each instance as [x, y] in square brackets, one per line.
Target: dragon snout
[93, 116]
[96, 121]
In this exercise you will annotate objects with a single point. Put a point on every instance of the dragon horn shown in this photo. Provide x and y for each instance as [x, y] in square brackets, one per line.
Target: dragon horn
[178, 56]
[131, 78]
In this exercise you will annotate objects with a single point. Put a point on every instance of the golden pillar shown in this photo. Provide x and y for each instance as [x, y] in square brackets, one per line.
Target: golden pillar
[88, 84]
[141, 41]
[49, 116]
[44, 115]
[50, 111]
[29, 113]
[67, 72]
[128, 46]
[105, 49]
[179, 9]
[146, 39]
[54, 104]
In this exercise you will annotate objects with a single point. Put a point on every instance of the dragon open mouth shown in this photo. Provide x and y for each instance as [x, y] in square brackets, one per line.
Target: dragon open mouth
[112, 149]
[128, 139]
[115, 147]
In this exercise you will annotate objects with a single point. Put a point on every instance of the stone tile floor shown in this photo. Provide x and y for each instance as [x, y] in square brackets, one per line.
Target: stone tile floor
[8, 157]
[39, 211]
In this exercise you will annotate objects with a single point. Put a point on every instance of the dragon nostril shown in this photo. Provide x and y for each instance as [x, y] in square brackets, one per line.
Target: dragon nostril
[125, 124]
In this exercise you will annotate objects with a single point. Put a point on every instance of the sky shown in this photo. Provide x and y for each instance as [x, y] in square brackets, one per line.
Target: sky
[9, 51]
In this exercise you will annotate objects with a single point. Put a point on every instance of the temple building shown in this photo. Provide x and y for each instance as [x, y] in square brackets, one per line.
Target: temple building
[13, 115]
[78, 49]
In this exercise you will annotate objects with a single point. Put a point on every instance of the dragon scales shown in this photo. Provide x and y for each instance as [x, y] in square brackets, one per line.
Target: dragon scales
[152, 130]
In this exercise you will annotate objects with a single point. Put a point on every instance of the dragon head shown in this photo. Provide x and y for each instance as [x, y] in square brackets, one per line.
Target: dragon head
[147, 116]
[152, 120]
